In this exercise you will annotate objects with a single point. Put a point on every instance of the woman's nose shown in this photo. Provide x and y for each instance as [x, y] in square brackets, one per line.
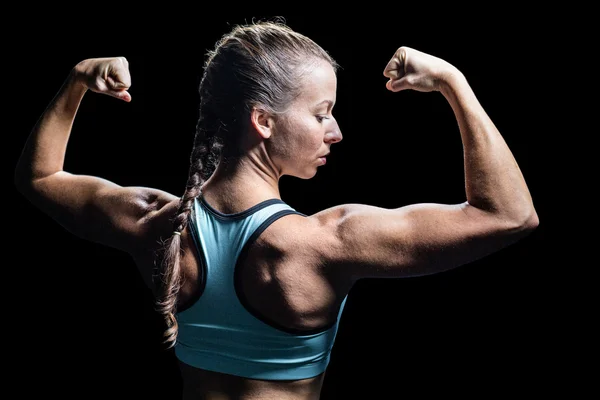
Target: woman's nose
[334, 135]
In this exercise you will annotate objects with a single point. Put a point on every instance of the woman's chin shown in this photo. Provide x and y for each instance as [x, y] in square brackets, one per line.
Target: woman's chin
[308, 174]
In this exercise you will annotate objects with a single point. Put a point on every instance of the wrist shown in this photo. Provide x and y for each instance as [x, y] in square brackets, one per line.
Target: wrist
[77, 76]
[452, 82]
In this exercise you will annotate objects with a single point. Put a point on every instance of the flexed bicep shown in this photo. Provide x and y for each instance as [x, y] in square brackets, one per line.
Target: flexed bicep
[98, 210]
[418, 239]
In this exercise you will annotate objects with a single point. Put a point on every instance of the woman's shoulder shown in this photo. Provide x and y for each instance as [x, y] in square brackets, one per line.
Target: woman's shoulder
[303, 238]
[323, 232]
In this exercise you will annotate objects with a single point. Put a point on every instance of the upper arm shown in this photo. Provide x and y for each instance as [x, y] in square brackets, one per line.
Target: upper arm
[420, 239]
[98, 210]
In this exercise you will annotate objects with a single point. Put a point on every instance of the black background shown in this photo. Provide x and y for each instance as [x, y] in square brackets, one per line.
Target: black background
[86, 323]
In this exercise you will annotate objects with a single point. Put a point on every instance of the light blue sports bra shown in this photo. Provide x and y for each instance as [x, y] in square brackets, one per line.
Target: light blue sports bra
[220, 331]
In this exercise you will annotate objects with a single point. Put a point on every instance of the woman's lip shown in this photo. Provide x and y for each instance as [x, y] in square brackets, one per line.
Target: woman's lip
[323, 160]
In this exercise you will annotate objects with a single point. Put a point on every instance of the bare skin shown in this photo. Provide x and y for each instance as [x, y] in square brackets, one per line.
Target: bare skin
[330, 250]
[313, 307]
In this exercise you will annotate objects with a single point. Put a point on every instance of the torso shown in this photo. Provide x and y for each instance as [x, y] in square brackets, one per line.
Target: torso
[294, 293]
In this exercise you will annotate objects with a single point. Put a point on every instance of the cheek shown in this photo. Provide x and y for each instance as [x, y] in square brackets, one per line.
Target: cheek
[287, 144]
[309, 136]
[302, 137]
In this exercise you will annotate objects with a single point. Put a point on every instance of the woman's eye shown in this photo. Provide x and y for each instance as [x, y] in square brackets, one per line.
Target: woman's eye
[320, 118]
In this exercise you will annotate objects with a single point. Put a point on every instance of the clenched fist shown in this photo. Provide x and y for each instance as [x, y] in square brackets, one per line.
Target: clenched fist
[105, 75]
[413, 69]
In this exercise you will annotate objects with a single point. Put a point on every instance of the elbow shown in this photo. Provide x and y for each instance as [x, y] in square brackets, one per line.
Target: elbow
[526, 222]
[532, 221]
[25, 180]
[529, 219]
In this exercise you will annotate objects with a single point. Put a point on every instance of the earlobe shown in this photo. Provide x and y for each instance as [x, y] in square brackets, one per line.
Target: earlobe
[262, 122]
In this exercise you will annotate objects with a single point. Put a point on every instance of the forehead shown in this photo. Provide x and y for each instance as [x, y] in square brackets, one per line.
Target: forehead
[319, 83]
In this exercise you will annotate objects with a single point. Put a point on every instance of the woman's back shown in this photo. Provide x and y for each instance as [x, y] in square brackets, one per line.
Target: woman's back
[286, 284]
[281, 285]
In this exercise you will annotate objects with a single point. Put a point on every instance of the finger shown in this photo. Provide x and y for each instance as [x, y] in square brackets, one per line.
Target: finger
[116, 83]
[118, 75]
[395, 67]
[396, 85]
[391, 69]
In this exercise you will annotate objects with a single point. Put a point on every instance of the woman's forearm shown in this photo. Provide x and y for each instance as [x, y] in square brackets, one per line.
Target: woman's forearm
[493, 179]
[45, 149]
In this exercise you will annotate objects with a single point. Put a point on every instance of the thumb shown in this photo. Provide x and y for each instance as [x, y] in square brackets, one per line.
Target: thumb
[120, 94]
[396, 85]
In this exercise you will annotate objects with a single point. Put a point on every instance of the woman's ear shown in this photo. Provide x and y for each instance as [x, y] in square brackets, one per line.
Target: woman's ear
[262, 122]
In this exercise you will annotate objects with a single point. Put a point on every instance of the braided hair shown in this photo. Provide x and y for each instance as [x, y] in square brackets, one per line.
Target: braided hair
[256, 65]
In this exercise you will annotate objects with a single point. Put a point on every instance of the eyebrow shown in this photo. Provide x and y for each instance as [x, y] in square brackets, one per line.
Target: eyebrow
[329, 102]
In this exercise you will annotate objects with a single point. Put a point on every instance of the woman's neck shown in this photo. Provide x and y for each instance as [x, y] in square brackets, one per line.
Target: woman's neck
[235, 188]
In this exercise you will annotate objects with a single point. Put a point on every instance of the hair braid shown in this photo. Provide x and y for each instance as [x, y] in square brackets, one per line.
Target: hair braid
[170, 280]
